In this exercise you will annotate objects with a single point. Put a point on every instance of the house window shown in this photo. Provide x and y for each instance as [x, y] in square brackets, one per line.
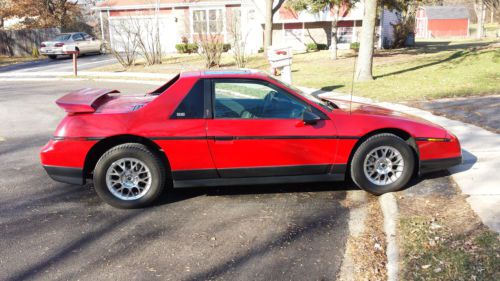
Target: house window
[208, 21]
[344, 35]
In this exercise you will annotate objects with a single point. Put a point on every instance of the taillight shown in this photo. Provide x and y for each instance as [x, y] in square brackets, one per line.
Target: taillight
[42, 45]
[59, 45]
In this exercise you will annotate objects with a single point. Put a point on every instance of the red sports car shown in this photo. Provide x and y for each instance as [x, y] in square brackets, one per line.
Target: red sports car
[213, 128]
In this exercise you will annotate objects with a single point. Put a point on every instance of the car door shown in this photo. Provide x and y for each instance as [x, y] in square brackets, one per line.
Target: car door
[80, 42]
[93, 45]
[257, 130]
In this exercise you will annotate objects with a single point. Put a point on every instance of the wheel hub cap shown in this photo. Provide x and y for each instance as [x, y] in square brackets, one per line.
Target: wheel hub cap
[383, 165]
[128, 179]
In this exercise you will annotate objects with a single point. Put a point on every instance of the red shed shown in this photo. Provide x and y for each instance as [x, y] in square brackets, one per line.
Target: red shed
[442, 21]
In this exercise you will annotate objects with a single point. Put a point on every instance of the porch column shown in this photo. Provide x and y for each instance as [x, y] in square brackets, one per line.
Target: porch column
[102, 26]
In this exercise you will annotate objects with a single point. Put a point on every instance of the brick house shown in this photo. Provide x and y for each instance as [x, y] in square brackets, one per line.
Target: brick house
[187, 19]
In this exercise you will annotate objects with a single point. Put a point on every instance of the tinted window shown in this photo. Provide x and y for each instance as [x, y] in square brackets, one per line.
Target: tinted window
[62, 37]
[77, 37]
[193, 104]
[253, 99]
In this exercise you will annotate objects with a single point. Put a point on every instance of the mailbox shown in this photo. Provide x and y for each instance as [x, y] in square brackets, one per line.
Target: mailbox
[280, 57]
[69, 49]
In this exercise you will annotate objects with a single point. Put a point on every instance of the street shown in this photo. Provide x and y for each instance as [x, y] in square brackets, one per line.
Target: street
[62, 64]
[55, 231]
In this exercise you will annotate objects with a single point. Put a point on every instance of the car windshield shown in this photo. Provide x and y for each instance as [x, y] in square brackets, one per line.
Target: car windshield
[323, 103]
[62, 37]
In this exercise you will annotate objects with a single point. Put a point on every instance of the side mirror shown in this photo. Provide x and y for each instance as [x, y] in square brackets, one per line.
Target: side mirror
[310, 118]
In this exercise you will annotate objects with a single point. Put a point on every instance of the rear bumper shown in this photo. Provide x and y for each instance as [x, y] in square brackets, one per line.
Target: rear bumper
[432, 165]
[65, 174]
[51, 51]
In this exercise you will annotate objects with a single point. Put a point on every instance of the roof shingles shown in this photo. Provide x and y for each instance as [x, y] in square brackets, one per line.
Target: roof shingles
[446, 12]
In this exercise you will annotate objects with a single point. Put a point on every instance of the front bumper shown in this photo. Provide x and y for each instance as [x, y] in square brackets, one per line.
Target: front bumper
[65, 174]
[433, 165]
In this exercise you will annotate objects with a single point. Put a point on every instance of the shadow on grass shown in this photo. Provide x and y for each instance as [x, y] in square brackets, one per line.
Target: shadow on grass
[433, 47]
[456, 57]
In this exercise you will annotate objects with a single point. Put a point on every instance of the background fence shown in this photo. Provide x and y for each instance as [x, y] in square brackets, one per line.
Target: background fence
[21, 42]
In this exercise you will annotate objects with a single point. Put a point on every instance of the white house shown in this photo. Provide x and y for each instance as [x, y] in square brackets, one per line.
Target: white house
[181, 20]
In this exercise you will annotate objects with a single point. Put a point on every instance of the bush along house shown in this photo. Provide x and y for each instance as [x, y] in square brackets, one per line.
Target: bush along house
[189, 21]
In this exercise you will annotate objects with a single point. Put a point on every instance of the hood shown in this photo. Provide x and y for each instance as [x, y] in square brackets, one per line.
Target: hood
[367, 109]
[90, 100]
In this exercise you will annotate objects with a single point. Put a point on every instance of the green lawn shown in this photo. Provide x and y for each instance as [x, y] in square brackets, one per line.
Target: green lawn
[433, 69]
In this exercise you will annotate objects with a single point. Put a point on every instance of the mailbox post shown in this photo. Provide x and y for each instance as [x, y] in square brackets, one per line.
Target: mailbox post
[71, 50]
[281, 58]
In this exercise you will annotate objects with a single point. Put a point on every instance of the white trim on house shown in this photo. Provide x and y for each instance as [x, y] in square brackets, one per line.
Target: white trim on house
[168, 5]
[207, 8]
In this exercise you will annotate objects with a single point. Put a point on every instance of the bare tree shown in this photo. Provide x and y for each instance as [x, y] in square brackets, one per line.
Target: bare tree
[126, 43]
[212, 48]
[238, 39]
[148, 39]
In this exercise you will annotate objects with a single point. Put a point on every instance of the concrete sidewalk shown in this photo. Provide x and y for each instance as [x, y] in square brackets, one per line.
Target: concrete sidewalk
[477, 176]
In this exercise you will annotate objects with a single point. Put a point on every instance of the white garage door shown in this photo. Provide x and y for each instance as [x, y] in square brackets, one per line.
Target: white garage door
[125, 30]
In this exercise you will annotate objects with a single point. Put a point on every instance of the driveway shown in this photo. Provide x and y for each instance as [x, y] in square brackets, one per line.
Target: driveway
[480, 111]
[55, 231]
[62, 64]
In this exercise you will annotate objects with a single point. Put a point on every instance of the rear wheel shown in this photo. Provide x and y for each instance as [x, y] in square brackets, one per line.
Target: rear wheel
[52, 57]
[102, 49]
[383, 163]
[129, 176]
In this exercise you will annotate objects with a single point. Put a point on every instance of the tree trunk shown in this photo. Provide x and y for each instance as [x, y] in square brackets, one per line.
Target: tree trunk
[335, 29]
[365, 56]
[268, 28]
[480, 9]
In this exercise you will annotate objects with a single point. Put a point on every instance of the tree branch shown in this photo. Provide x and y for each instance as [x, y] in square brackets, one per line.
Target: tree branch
[278, 6]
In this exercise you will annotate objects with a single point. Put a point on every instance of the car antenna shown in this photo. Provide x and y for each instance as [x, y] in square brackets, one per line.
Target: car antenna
[352, 82]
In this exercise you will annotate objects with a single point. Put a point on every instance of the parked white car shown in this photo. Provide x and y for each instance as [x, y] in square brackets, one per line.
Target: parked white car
[84, 44]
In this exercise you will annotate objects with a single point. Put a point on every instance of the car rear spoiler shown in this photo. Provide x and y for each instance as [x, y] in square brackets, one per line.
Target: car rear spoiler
[85, 100]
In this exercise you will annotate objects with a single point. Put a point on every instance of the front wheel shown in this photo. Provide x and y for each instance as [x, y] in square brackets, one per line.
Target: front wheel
[383, 163]
[52, 57]
[129, 176]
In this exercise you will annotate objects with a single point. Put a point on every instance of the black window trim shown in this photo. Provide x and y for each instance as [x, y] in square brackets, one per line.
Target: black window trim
[308, 105]
[206, 112]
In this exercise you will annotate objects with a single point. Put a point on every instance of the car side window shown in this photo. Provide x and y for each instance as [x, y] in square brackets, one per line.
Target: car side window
[77, 37]
[192, 107]
[254, 100]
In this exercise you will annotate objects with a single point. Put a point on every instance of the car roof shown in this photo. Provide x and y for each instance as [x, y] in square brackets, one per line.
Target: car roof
[226, 73]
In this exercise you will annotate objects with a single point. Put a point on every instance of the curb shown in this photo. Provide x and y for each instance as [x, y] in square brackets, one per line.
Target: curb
[356, 225]
[389, 208]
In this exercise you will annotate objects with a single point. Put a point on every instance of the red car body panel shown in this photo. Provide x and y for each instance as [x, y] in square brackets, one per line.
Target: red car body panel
[223, 145]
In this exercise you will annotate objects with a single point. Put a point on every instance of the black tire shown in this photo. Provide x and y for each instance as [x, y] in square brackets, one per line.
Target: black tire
[130, 150]
[52, 57]
[358, 161]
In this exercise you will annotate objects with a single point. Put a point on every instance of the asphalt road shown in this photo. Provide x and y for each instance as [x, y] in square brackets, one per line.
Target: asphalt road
[63, 63]
[55, 231]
